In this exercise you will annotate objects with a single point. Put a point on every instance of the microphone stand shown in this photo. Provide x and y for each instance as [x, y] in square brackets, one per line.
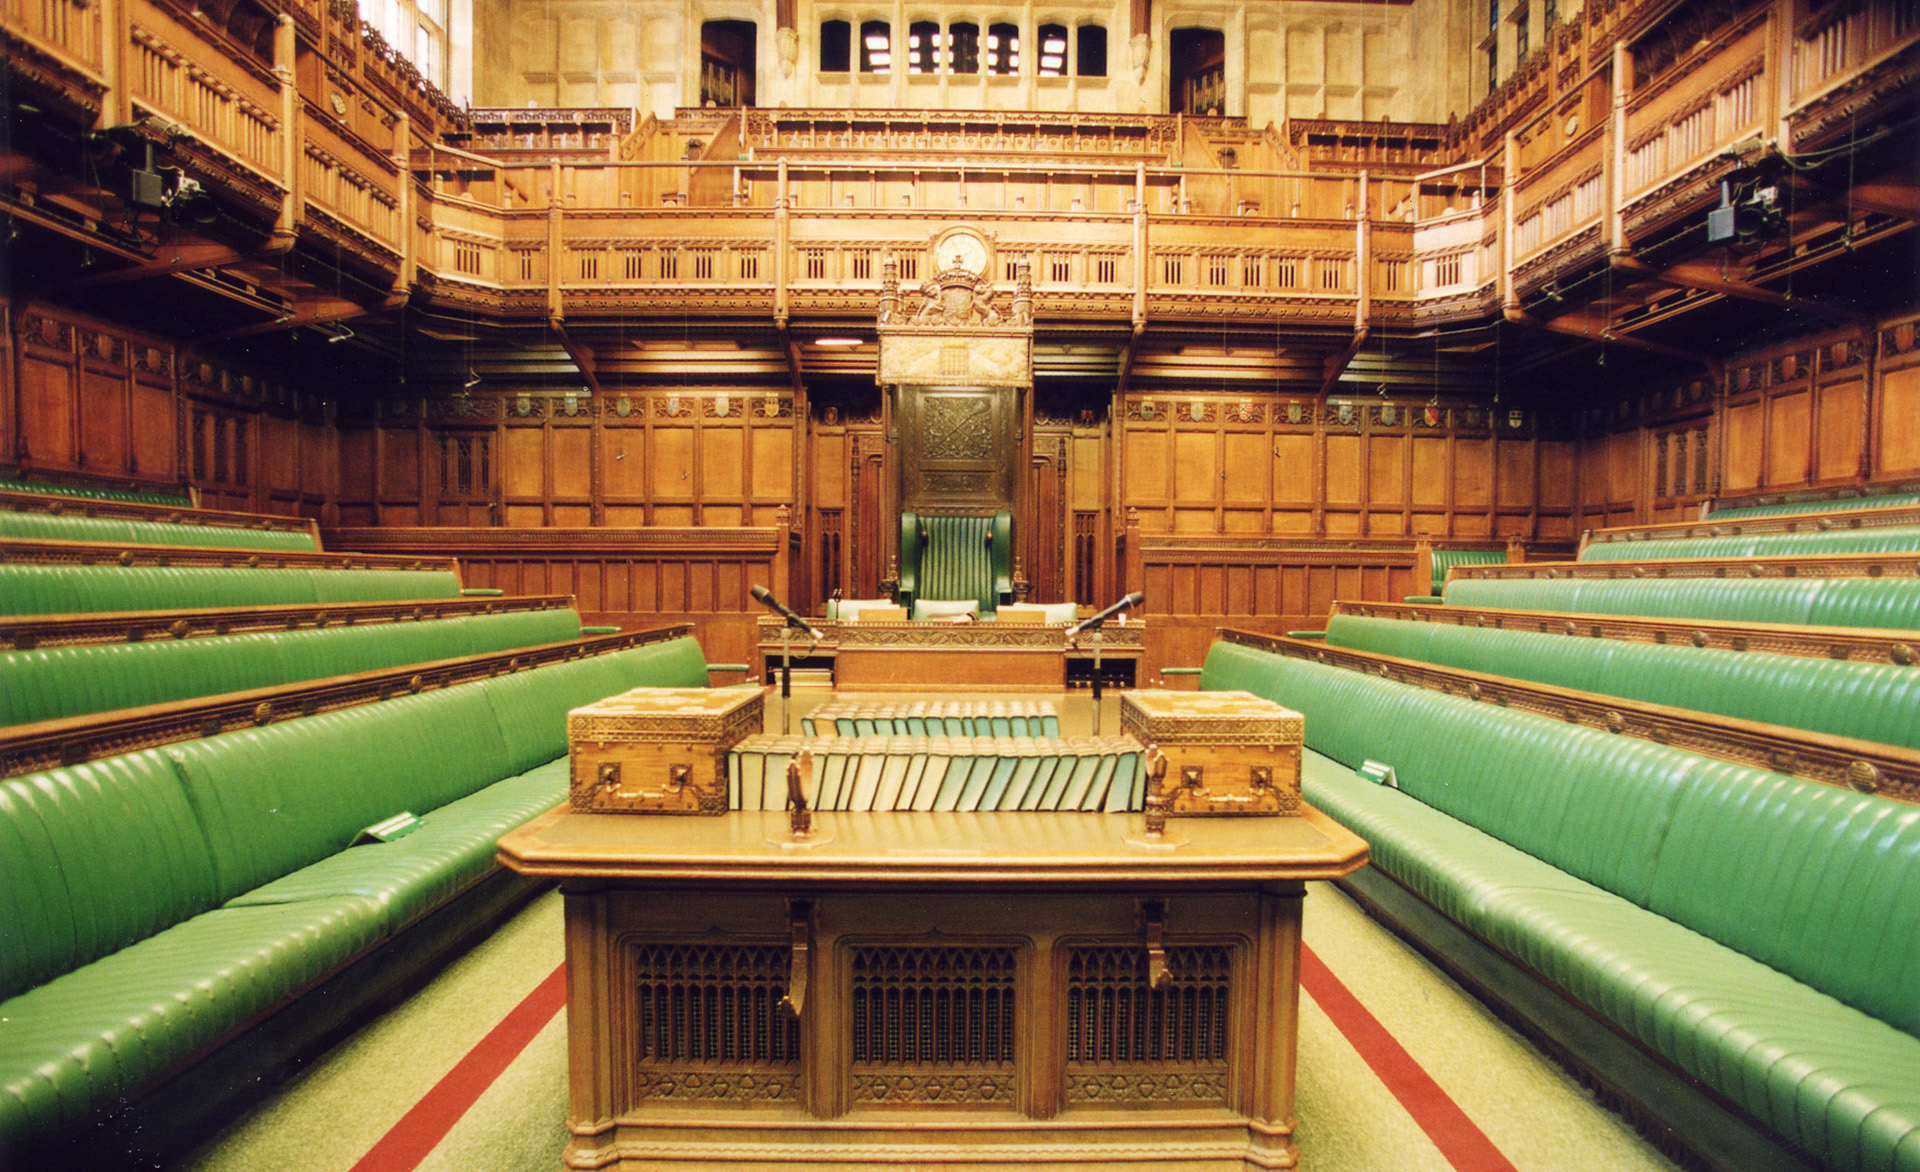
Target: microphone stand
[786, 667]
[1096, 626]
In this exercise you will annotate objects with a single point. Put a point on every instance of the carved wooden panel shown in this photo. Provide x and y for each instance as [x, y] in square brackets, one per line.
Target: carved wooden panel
[957, 448]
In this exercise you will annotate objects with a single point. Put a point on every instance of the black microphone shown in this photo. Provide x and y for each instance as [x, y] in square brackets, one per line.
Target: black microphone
[765, 597]
[1134, 599]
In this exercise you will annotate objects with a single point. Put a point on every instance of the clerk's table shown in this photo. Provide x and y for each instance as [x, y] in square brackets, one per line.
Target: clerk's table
[919, 989]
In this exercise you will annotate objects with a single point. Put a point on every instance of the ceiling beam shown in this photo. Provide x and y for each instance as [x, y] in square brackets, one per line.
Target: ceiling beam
[582, 355]
[318, 311]
[183, 258]
[1708, 278]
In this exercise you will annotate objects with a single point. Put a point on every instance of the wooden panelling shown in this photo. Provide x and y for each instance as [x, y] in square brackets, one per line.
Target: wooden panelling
[1899, 430]
[629, 578]
[1789, 418]
[1843, 407]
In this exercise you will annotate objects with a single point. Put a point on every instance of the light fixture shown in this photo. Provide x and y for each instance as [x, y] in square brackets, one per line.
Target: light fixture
[839, 341]
[341, 334]
[473, 379]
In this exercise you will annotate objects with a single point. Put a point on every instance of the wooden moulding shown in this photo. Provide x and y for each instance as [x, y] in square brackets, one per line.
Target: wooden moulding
[28, 748]
[25, 632]
[92, 553]
[1839, 565]
[1884, 518]
[72, 506]
[1859, 644]
[1843, 762]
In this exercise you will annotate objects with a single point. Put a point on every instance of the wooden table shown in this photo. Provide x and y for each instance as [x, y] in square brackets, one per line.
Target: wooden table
[933, 656]
[973, 990]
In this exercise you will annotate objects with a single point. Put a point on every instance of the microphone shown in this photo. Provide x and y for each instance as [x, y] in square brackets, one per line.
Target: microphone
[765, 597]
[1134, 599]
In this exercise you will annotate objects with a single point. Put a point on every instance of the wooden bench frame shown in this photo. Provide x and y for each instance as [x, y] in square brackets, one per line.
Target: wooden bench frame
[28, 748]
[92, 553]
[54, 505]
[1889, 518]
[1858, 644]
[26, 632]
[1842, 762]
[1835, 565]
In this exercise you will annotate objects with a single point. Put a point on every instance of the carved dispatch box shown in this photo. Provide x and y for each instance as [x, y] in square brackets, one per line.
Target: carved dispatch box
[659, 750]
[1227, 752]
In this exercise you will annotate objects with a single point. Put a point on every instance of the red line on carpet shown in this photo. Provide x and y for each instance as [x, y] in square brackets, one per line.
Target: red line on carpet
[421, 1129]
[1459, 1139]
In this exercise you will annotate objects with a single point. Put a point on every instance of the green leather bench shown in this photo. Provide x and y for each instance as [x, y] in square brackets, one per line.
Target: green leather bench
[96, 494]
[157, 903]
[62, 589]
[1888, 540]
[1871, 701]
[1818, 602]
[118, 530]
[1446, 559]
[53, 682]
[1755, 931]
[1842, 505]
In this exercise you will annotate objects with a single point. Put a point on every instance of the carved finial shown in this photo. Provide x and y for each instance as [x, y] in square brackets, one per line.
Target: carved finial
[799, 779]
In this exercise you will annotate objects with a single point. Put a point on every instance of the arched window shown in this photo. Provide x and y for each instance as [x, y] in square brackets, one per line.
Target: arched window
[963, 47]
[1198, 73]
[1053, 50]
[926, 50]
[836, 46]
[1003, 48]
[727, 63]
[1091, 57]
[876, 47]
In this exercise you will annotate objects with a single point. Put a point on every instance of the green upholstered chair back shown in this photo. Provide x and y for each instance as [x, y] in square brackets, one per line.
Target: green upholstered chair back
[956, 558]
[1446, 559]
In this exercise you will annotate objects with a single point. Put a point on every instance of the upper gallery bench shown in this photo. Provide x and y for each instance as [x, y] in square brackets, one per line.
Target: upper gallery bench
[64, 673]
[60, 577]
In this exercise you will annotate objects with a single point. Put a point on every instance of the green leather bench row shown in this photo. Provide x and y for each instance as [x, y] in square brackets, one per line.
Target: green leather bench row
[1872, 701]
[96, 494]
[1750, 545]
[1891, 500]
[1446, 559]
[1754, 929]
[53, 682]
[154, 903]
[64, 589]
[71, 527]
[1819, 602]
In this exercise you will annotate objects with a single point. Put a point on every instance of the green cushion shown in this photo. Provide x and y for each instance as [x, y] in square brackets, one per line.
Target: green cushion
[99, 494]
[1831, 602]
[1869, 701]
[87, 1038]
[1890, 539]
[1755, 929]
[1848, 504]
[76, 883]
[452, 848]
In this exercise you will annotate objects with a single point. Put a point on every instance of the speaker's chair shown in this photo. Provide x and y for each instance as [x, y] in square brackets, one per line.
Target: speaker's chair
[956, 558]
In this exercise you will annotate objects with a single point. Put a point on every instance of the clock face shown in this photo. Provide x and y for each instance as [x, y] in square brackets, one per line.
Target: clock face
[963, 250]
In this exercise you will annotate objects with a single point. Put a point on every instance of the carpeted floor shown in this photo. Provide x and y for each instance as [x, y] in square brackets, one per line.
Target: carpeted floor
[1399, 1070]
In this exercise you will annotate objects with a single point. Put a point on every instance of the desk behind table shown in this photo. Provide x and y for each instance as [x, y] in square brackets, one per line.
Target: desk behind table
[973, 989]
[933, 656]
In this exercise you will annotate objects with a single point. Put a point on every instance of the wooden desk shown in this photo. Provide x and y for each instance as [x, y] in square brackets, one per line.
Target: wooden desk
[932, 656]
[974, 988]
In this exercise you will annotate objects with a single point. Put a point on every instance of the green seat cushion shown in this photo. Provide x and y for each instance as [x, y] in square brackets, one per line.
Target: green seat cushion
[452, 848]
[1820, 1072]
[94, 857]
[84, 1039]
